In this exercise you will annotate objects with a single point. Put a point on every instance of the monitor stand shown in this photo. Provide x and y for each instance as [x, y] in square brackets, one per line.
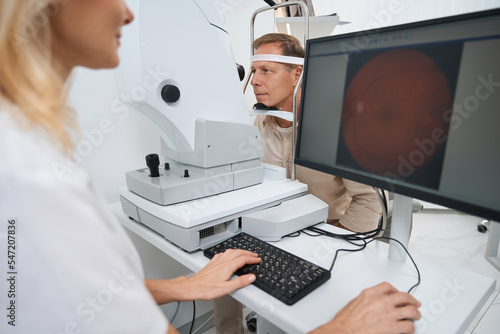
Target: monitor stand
[492, 247]
[400, 227]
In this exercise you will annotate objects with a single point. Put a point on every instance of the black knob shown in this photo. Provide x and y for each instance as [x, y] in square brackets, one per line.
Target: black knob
[167, 166]
[241, 71]
[153, 161]
[186, 173]
[170, 93]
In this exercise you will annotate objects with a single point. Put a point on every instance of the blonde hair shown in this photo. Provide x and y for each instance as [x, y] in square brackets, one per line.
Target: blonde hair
[29, 77]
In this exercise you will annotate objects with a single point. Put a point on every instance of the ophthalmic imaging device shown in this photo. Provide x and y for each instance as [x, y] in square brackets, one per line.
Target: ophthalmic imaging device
[177, 68]
[427, 129]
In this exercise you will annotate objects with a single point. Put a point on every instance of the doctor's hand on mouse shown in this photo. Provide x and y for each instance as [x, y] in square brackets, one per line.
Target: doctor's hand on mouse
[379, 309]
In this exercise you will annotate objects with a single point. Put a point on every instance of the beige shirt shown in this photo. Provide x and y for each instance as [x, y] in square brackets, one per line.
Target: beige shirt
[352, 204]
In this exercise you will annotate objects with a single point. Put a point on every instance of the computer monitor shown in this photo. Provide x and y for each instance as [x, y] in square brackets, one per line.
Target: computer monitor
[413, 109]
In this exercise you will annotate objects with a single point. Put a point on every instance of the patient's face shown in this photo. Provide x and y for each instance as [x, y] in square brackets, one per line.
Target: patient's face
[273, 83]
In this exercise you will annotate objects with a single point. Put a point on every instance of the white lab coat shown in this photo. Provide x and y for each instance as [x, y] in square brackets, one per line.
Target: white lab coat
[75, 269]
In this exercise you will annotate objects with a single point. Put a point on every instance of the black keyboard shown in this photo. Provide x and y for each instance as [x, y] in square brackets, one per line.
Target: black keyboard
[283, 275]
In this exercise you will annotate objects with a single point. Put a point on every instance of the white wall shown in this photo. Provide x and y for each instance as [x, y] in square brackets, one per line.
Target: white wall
[368, 14]
[238, 14]
[116, 138]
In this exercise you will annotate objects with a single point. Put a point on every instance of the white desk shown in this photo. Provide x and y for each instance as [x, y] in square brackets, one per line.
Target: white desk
[450, 296]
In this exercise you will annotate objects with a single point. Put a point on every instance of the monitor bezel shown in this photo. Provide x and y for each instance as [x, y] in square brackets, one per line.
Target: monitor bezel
[393, 185]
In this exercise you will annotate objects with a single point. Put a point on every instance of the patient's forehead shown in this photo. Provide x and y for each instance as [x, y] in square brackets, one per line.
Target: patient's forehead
[270, 48]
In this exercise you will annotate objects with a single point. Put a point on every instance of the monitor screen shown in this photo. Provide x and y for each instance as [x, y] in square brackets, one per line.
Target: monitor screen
[413, 109]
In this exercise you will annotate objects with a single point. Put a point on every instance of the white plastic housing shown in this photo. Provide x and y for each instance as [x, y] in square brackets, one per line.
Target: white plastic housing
[184, 44]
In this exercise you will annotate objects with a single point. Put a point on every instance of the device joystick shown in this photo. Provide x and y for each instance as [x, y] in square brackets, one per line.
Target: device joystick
[153, 161]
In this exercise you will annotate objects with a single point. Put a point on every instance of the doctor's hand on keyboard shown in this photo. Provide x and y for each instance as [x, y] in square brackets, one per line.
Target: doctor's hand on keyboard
[283, 275]
[213, 281]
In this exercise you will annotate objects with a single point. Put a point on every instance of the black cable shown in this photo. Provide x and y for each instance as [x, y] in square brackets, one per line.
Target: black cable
[346, 250]
[385, 200]
[311, 235]
[383, 196]
[326, 234]
[348, 236]
[411, 258]
[270, 2]
[176, 311]
[194, 317]
[358, 237]
[292, 235]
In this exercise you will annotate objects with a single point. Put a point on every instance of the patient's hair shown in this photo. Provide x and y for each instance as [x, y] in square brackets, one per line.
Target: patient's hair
[29, 78]
[290, 45]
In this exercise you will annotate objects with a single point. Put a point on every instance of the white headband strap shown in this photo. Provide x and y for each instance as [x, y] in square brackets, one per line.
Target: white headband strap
[279, 59]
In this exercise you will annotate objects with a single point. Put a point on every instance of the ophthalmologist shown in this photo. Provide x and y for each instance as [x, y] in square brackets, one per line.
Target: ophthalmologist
[68, 266]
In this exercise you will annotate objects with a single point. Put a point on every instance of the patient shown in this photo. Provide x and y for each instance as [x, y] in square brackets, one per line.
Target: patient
[352, 205]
